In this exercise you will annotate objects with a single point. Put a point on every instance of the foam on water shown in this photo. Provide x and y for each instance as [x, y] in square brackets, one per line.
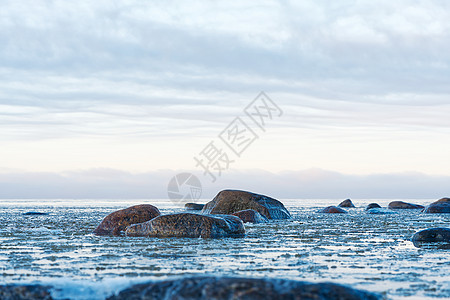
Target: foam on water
[367, 251]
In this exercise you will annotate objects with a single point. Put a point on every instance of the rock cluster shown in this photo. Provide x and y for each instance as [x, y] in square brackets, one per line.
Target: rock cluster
[228, 288]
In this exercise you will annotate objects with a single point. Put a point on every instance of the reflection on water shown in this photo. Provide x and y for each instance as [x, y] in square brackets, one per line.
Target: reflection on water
[368, 251]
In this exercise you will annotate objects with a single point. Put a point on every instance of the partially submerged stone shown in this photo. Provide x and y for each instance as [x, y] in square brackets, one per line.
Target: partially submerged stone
[25, 292]
[35, 213]
[442, 206]
[373, 205]
[404, 205]
[189, 225]
[346, 203]
[332, 210]
[250, 216]
[194, 206]
[231, 201]
[116, 222]
[432, 237]
[227, 288]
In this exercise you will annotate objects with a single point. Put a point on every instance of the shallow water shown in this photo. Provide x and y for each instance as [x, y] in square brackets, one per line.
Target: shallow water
[371, 252]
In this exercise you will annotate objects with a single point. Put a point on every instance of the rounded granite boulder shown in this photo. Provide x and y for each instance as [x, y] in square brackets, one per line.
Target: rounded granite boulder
[189, 225]
[441, 206]
[235, 288]
[332, 210]
[231, 201]
[373, 205]
[115, 223]
[439, 237]
[346, 203]
[250, 216]
[404, 205]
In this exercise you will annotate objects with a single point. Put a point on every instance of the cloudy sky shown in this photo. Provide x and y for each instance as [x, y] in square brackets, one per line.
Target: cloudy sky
[111, 99]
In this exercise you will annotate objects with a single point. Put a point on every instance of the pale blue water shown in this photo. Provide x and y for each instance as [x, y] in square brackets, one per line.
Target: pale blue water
[372, 252]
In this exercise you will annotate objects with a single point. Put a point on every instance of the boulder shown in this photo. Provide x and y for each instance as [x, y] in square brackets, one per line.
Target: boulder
[332, 210]
[250, 216]
[194, 206]
[404, 205]
[441, 206]
[229, 288]
[25, 292]
[346, 203]
[189, 225]
[434, 237]
[115, 223]
[373, 205]
[231, 201]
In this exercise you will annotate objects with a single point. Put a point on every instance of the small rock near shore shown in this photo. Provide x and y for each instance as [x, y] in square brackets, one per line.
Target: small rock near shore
[194, 206]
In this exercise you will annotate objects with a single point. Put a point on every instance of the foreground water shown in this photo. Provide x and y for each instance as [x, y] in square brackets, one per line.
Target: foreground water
[371, 252]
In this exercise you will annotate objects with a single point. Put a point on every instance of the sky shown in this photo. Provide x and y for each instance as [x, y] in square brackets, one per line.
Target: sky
[112, 99]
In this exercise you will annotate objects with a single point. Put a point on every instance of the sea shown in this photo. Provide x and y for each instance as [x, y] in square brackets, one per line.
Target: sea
[373, 252]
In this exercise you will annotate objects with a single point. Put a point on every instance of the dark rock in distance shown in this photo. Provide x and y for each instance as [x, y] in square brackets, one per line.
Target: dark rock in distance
[25, 292]
[227, 288]
[346, 203]
[438, 237]
[189, 225]
[250, 216]
[194, 206]
[442, 206]
[404, 205]
[373, 205]
[380, 211]
[231, 201]
[35, 213]
[116, 222]
[332, 210]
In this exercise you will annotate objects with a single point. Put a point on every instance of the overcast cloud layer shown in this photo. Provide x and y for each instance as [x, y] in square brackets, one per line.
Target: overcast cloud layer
[144, 86]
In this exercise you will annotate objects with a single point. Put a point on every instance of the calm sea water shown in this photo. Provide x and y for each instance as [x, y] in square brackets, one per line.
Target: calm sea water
[371, 252]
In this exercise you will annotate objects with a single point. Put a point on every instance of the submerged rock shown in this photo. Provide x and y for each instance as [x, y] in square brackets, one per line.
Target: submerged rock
[35, 213]
[434, 237]
[346, 203]
[332, 210]
[194, 206]
[226, 288]
[250, 216]
[25, 292]
[441, 206]
[404, 205]
[373, 205]
[380, 211]
[231, 201]
[189, 225]
[117, 222]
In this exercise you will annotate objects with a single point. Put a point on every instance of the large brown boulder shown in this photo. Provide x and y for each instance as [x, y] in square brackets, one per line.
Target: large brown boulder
[189, 225]
[333, 210]
[230, 201]
[117, 222]
[226, 288]
[373, 205]
[442, 206]
[404, 205]
[346, 203]
[250, 216]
